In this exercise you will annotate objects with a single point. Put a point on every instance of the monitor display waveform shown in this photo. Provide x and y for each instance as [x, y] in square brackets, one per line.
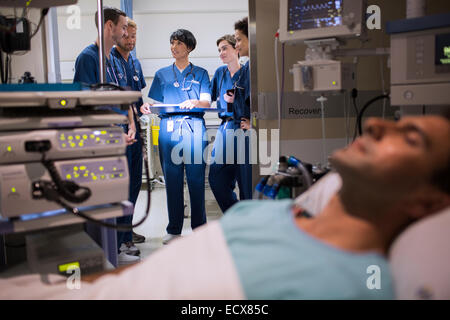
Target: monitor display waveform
[311, 14]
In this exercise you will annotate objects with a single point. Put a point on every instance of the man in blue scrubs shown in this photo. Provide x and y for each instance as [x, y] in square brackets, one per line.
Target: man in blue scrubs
[87, 63]
[187, 86]
[129, 73]
[225, 168]
[87, 72]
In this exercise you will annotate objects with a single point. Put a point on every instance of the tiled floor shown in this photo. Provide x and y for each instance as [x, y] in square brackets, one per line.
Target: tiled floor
[154, 228]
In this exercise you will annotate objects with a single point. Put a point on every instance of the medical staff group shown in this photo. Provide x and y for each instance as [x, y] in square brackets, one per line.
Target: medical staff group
[189, 87]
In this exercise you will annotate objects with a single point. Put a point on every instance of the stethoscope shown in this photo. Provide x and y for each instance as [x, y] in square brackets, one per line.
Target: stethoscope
[136, 72]
[176, 84]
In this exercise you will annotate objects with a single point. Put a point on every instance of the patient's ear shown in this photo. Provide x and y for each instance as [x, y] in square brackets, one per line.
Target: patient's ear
[426, 202]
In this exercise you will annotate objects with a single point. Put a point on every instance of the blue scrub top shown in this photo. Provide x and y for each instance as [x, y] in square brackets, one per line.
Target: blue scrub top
[127, 72]
[87, 67]
[247, 65]
[276, 260]
[87, 70]
[193, 79]
[222, 82]
[248, 93]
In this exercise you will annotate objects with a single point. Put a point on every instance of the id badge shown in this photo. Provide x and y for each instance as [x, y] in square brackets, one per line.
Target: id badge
[170, 126]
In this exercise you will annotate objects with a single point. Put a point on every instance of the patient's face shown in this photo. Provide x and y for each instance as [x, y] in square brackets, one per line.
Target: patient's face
[396, 157]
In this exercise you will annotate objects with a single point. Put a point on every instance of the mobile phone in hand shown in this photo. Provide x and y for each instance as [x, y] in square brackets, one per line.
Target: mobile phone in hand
[230, 92]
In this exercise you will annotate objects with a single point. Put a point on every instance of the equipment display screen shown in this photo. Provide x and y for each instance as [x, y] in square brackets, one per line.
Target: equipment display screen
[312, 14]
[442, 50]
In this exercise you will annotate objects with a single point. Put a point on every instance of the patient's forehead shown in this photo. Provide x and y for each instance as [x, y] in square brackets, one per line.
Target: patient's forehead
[437, 130]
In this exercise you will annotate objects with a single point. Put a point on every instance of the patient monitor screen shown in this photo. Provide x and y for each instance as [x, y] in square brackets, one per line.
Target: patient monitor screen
[312, 14]
[442, 53]
[443, 49]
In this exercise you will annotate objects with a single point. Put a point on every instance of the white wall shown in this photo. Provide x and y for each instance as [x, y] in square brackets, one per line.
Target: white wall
[73, 40]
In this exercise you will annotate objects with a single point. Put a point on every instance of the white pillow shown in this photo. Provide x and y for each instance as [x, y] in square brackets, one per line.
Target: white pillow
[420, 259]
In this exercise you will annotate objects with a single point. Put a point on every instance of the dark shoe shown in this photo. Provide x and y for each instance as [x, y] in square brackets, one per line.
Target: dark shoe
[137, 238]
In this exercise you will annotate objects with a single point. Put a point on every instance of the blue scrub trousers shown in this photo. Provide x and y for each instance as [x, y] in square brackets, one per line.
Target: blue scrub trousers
[222, 175]
[181, 146]
[135, 161]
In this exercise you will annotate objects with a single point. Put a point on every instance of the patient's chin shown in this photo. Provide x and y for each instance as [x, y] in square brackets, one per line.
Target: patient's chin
[340, 161]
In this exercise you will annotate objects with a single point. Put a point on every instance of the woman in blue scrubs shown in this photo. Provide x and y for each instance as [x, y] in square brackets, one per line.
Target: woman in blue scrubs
[181, 135]
[226, 169]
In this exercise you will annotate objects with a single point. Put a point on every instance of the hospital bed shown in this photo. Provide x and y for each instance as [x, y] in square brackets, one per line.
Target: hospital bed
[419, 259]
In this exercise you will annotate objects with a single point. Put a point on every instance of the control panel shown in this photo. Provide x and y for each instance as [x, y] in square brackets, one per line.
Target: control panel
[18, 147]
[107, 178]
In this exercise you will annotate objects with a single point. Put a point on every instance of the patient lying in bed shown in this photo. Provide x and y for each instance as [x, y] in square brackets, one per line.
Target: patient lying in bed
[394, 175]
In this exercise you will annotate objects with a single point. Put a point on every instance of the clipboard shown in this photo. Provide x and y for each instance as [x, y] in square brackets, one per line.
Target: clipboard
[169, 108]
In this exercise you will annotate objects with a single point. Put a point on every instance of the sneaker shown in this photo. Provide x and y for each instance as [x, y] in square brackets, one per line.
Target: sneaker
[130, 248]
[124, 258]
[169, 237]
[137, 238]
